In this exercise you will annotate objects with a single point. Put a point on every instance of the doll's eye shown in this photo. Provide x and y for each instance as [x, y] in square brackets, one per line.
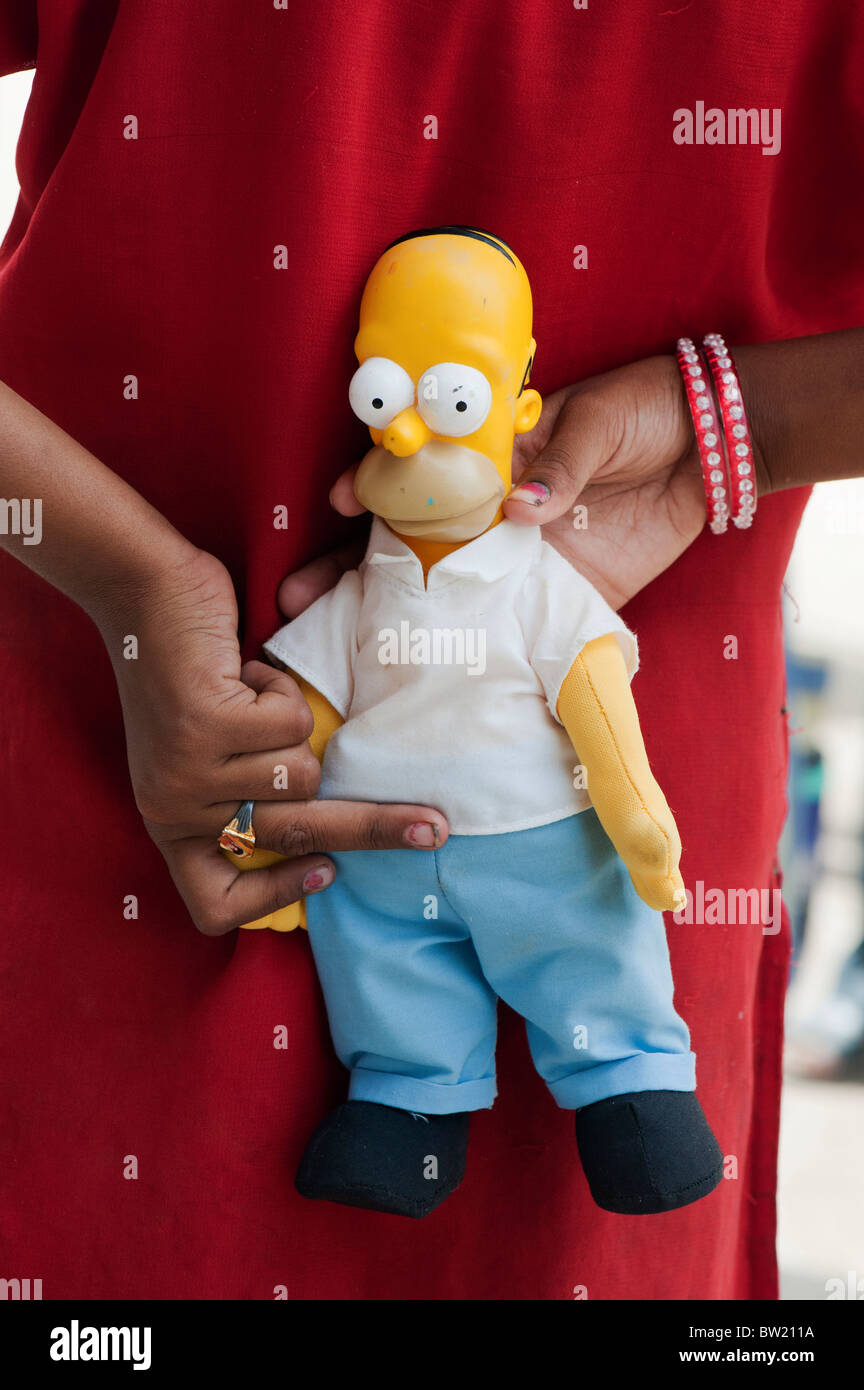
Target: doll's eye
[452, 399]
[379, 390]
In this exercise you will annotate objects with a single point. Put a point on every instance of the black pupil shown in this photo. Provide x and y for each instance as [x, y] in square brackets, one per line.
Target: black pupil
[461, 405]
[377, 402]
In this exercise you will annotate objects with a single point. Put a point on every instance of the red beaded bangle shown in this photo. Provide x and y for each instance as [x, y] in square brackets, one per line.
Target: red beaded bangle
[701, 402]
[739, 448]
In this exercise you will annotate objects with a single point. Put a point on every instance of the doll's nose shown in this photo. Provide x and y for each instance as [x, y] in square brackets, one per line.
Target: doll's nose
[405, 434]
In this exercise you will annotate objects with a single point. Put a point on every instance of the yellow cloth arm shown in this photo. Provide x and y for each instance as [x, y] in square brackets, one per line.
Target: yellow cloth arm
[597, 709]
[327, 721]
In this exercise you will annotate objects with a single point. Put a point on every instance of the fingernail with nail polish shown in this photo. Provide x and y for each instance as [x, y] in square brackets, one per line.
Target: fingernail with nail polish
[317, 879]
[423, 834]
[535, 493]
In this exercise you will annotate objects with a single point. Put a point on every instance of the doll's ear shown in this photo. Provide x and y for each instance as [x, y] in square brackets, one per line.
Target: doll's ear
[528, 407]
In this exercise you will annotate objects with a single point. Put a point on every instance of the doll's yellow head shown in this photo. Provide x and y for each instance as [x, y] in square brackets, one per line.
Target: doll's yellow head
[445, 352]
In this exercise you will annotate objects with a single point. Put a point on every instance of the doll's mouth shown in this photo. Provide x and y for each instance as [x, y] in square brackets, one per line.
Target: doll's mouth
[443, 491]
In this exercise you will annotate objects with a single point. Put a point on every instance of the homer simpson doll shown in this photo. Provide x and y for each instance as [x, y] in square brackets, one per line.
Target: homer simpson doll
[466, 665]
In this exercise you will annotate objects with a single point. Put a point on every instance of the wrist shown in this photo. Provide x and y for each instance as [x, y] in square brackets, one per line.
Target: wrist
[758, 409]
[166, 594]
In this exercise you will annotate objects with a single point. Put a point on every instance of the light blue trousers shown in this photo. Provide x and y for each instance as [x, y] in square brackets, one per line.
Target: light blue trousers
[413, 948]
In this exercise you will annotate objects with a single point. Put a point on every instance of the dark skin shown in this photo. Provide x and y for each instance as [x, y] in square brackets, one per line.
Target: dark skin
[622, 445]
[205, 732]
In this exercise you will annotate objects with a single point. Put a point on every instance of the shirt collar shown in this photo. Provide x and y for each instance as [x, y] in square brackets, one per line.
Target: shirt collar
[497, 552]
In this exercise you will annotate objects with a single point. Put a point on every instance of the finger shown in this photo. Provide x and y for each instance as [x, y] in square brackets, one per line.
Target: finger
[321, 826]
[298, 591]
[267, 710]
[578, 445]
[309, 827]
[263, 678]
[281, 774]
[342, 496]
[220, 898]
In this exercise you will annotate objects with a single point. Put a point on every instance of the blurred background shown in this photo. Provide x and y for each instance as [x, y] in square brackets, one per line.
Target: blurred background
[821, 1198]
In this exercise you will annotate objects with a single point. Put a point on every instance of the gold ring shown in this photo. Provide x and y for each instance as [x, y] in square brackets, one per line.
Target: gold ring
[238, 836]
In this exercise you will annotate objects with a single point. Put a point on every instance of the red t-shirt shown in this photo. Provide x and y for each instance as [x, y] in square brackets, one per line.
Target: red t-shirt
[310, 127]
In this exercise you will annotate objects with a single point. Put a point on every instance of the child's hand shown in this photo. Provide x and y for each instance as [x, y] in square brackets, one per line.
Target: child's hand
[204, 735]
[622, 446]
[300, 589]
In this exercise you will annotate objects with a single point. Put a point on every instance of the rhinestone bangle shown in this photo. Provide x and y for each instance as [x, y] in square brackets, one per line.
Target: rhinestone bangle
[700, 399]
[736, 432]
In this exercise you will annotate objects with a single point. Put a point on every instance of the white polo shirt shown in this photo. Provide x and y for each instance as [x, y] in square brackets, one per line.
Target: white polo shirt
[449, 689]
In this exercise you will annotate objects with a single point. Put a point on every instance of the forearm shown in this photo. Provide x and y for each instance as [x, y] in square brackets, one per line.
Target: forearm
[805, 405]
[101, 543]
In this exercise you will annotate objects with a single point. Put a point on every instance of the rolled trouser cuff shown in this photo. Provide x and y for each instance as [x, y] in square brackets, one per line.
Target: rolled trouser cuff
[423, 1097]
[650, 1071]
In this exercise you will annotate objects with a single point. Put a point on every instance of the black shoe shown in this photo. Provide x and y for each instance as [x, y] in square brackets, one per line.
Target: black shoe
[373, 1156]
[648, 1151]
